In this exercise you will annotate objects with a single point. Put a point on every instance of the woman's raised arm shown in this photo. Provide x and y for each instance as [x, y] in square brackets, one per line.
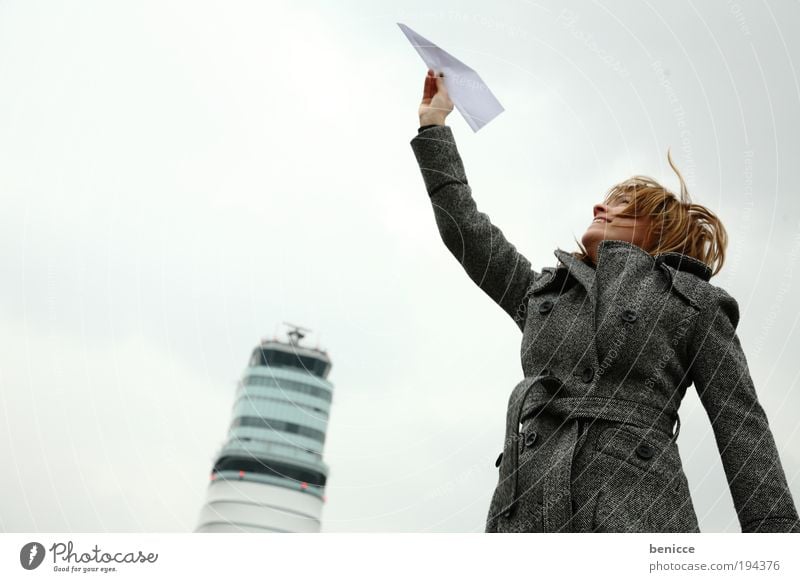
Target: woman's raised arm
[492, 262]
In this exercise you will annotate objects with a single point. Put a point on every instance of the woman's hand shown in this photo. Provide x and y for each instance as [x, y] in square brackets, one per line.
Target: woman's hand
[436, 103]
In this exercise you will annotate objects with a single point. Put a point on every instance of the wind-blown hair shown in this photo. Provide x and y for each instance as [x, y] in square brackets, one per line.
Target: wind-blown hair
[678, 225]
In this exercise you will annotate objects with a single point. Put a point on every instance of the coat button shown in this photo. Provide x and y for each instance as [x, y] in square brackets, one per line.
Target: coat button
[545, 372]
[530, 438]
[587, 374]
[629, 315]
[545, 306]
[499, 458]
[644, 451]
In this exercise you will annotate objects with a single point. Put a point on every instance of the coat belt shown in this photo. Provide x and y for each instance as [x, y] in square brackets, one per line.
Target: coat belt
[537, 394]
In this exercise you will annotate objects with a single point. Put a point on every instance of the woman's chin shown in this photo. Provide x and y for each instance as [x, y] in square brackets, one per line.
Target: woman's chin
[590, 240]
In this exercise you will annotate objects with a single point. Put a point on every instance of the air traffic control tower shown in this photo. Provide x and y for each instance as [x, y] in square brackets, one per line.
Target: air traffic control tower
[269, 476]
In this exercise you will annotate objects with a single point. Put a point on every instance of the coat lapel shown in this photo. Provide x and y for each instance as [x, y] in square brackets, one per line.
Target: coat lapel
[625, 268]
[576, 268]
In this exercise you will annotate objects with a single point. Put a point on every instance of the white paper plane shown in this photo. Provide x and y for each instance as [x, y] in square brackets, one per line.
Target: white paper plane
[469, 93]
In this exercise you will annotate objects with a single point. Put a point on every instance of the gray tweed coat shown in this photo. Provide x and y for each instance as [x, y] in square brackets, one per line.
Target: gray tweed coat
[607, 356]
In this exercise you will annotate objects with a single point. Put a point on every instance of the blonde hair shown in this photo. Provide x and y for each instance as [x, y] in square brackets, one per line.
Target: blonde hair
[678, 224]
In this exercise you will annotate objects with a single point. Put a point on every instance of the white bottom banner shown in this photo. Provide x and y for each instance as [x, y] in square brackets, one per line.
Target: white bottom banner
[389, 556]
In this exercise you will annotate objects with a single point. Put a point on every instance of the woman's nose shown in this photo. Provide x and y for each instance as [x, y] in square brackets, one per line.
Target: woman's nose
[600, 209]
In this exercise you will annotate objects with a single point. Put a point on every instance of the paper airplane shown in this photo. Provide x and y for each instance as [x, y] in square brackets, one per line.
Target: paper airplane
[469, 93]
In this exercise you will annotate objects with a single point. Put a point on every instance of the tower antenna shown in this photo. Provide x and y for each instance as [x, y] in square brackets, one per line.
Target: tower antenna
[296, 333]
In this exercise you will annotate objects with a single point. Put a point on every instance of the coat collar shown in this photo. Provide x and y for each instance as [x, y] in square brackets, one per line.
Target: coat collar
[686, 263]
[585, 273]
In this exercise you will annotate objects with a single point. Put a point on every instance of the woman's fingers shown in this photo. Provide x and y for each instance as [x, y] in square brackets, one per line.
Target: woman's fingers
[426, 91]
[430, 88]
[440, 81]
[435, 100]
[441, 87]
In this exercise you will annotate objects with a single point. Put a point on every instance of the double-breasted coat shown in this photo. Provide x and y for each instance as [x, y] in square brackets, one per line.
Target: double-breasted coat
[608, 354]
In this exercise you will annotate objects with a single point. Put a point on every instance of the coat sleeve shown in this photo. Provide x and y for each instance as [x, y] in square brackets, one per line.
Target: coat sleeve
[493, 263]
[750, 458]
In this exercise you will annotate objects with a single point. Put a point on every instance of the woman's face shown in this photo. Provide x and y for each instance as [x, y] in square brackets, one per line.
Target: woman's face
[608, 225]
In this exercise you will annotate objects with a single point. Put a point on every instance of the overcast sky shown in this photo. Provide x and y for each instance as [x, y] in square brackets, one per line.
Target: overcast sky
[180, 177]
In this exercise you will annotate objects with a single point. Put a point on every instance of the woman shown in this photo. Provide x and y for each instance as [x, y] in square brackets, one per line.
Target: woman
[612, 338]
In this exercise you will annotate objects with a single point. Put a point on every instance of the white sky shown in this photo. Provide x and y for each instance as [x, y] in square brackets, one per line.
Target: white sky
[178, 178]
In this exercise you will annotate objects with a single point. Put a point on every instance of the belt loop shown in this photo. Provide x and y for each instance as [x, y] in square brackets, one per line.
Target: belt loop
[515, 455]
[513, 459]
